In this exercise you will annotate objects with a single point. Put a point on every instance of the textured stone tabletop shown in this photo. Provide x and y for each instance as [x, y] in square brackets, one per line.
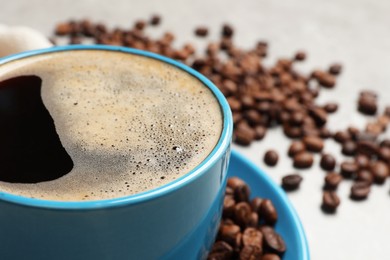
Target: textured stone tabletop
[355, 33]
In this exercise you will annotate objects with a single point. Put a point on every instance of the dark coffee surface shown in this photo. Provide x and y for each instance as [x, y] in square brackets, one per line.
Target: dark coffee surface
[30, 149]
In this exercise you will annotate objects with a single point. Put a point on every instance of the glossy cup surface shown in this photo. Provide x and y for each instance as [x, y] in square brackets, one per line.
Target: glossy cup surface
[176, 221]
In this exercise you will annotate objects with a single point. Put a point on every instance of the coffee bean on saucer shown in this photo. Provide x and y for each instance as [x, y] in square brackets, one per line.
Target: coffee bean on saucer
[220, 250]
[271, 157]
[252, 237]
[250, 252]
[270, 257]
[332, 181]
[313, 143]
[348, 169]
[330, 201]
[300, 56]
[256, 204]
[303, 160]
[360, 190]
[328, 162]
[228, 207]
[228, 233]
[242, 212]
[268, 212]
[291, 182]
[240, 188]
[273, 241]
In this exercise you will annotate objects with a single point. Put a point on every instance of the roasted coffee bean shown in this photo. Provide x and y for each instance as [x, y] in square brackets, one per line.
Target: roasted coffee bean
[366, 137]
[342, 136]
[244, 135]
[260, 132]
[271, 158]
[63, 29]
[385, 143]
[328, 162]
[369, 148]
[220, 251]
[300, 56]
[335, 69]
[348, 169]
[292, 131]
[273, 241]
[325, 133]
[360, 190]
[332, 181]
[374, 128]
[228, 233]
[325, 79]
[252, 237]
[367, 105]
[362, 161]
[313, 143]
[227, 30]
[256, 204]
[250, 253]
[349, 148]
[253, 220]
[295, 148]
[270, 257]
[155, 20]
[228, 207]
[365, 175]
[384, 154]
[268, 212]
[291, 182]
[240, 188]
[296, 118]
[319, 115]
[330, 202]
[354, 132]
[303, 160]
[380, 172]
[331, 107]
[242, 212]
[201, 31]
[253, 117]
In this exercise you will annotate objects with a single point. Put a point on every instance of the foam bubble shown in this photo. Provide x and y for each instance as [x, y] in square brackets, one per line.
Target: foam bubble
[129, 123]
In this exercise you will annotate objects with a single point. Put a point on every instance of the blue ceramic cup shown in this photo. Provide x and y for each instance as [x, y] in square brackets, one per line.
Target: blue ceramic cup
[175, 221]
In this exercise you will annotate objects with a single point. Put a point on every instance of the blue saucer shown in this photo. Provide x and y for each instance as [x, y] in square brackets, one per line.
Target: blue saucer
[288, 226]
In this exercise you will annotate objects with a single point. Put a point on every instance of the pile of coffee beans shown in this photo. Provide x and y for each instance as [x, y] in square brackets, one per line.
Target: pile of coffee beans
[247, 227]
[263, 97]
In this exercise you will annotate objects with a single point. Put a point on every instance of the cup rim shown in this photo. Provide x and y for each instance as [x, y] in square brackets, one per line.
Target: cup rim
[217, 152]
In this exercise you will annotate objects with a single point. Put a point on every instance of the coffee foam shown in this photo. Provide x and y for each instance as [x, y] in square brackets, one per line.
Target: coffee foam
[129, 123]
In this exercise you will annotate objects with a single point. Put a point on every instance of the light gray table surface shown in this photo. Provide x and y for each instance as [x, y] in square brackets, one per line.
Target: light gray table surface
[355, 33]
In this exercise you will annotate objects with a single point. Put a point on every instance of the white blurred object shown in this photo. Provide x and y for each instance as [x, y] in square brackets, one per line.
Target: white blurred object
[20, 38]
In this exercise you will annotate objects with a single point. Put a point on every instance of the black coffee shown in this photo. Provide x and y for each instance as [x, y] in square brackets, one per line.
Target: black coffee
[30, 150]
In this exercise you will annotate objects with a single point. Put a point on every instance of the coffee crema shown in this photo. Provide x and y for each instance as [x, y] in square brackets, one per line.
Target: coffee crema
[129, 123]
